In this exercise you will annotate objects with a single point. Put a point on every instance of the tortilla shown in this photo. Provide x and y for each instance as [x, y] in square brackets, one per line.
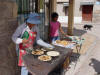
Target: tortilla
[63, 42]
[58, 41]
[38, 52]
[53, 53]
[45, 58]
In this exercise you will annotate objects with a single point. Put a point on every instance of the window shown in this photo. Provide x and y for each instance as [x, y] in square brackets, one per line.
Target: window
[66, 11]
[98, 2]
[25, 7]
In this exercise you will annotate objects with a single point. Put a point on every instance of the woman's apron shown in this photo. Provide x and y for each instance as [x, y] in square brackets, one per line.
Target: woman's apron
[22, 47]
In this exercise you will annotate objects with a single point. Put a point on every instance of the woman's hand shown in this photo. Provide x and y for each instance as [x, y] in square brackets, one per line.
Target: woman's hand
[24, 41]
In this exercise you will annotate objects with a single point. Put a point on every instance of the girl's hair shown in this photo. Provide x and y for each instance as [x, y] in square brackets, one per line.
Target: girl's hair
[54, 14]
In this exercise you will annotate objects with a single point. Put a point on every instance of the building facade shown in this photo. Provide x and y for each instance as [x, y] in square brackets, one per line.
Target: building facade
[85, 10]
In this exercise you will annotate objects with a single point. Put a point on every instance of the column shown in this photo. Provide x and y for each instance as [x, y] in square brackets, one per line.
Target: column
[52, 6]
[71, 17]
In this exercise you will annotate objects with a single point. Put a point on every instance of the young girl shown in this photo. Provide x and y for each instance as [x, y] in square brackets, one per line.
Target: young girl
[55, 28]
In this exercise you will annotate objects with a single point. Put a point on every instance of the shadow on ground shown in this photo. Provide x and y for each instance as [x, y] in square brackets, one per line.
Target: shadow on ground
[96, 65]
[74, 57]
[77, 32]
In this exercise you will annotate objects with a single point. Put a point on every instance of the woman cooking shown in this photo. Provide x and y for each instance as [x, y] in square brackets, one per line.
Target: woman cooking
[25, 36]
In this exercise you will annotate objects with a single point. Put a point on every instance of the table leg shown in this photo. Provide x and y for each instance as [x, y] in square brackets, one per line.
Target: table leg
[67, 61]
[78, 48]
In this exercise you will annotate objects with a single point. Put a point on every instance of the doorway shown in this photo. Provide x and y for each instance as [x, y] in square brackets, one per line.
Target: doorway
[87, 12]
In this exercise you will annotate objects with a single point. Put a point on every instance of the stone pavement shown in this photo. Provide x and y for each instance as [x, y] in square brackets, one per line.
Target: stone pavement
[88, 63]
[91, 65]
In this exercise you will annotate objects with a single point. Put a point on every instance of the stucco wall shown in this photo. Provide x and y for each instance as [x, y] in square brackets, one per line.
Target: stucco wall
[87, 0]
[78, 11]
[62, 0]
[60, 9]
[96, 14]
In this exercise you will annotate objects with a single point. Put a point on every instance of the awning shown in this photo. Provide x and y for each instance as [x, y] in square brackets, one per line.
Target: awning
[65, 4]
[87, 3]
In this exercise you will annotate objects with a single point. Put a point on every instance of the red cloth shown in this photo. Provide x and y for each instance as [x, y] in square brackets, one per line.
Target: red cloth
[22, 52]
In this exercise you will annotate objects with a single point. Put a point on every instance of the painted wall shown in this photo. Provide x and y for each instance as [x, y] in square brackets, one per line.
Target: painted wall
[64, 19]
[62, 0]
[96, 13]
[78, 11]
[60, 9]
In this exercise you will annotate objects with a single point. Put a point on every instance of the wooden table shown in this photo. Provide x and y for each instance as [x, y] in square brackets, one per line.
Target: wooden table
[37, 67]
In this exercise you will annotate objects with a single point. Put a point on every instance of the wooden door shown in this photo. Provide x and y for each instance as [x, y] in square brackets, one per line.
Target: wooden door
[87, 11]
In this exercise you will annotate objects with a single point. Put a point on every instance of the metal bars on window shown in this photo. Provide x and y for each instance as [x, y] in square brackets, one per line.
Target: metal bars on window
[25, 7]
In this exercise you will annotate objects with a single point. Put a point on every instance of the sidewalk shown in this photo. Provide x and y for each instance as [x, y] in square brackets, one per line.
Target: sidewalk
[86, 49]
[88, 45]
[91, 64]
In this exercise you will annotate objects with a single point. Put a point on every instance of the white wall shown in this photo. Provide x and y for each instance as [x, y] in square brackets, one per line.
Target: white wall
[64, 19]
[60, 9]
[77, 13]
[62, 0]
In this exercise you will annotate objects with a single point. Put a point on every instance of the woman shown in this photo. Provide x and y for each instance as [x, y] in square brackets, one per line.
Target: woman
[25, 37]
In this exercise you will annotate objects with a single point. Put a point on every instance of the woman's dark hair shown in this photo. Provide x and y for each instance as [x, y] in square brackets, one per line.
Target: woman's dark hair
[54, 14]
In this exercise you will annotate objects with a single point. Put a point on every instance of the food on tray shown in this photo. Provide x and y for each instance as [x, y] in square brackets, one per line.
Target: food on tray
[45, 58]
[38, 52]
[63, 42]
[58, 41]
[53, 53]
[75, 38]
[43, 49]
